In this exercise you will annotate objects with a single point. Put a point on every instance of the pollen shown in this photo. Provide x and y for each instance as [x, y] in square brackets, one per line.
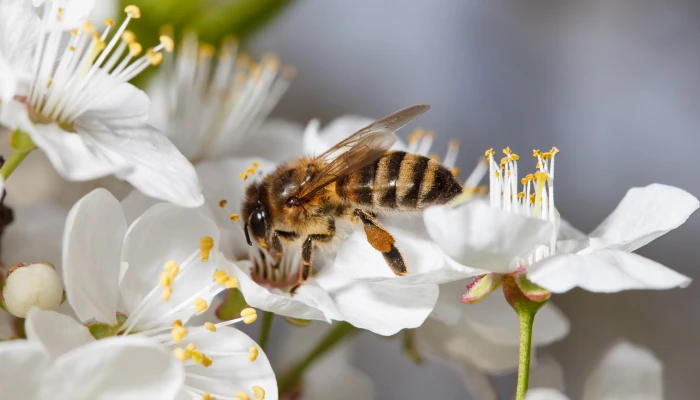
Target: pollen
[200, 305]
[88, 27]
[71, 48]
[242, 396]
[256, 164]
[221, 280]
[205, 245]
[243, 176]
[541, 175]
[154, 57]
[74, 31]
[252, 353]
[207, 361]
[197, 357]
[554, 150]
[109, 22]
[172, 267]
[514, 157]
[489, 153]
[180, 354]
[129, 36]
[532, 198]
[249, 315]
[234, 217]
[232, 283]
[455, 171]
[222, 203]
[507, 150]
[258, 393]
[133, 11]
[49, 83]
[521, 195]
[135, 49]
[498, 174]
[218, 274]
[167, 43]
[178, 332]
[250, 170]
[166, 279]
[210, 326]
[167, 292]
[208, 396]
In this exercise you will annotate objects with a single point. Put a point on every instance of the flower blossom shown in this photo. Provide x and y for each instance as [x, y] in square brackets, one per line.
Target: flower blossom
[64, 83]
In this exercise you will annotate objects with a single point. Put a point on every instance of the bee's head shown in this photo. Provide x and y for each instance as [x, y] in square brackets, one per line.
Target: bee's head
[256, 217]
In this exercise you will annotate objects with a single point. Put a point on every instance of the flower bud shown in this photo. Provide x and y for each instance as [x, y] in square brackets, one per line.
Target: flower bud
[30, 285]
[481, 287]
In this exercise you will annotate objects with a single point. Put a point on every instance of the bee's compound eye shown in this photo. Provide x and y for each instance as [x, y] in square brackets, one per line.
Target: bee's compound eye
[257, 224]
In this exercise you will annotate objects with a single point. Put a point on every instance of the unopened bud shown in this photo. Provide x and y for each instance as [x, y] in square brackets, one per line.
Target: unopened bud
[32, 285]
[481, 287]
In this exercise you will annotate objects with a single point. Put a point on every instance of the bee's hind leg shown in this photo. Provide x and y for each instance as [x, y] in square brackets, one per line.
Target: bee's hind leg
[307, 253]
[382, 240]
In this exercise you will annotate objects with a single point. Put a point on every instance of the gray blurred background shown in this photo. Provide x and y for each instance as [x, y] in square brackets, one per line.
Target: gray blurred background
[612, 83]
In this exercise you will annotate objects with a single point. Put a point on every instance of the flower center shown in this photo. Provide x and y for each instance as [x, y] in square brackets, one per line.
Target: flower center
[68, 80]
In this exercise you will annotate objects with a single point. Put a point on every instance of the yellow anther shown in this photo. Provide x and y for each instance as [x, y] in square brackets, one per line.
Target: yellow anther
[250, 170]
[170, 265]
[208, 396]
[242, 396]
[71, 48]
[205, 245]
[87, 27]
[243, 60]
[455, 171]
[497, 174]
[539, 165]
[166, 30]
[219, 273]
[256, 164]
[536, 153]
[197, 357]
[430, 135]
[252, 353]
[244, 176]
[232, 283]
[49, 83]
[210, 326]
[504, 160]
[135, 49]
[289, 72]
[454, 144]
[248, 311]
[178, 333]
[524, 181]
[206, 50]
[530, 177]
[221, 280]
[200, 305]
[507, 151]
[129, 36]
[554, 150]
[541, 175]
[521, 195]
[180, 354]
[222, 203]
[514, 157]
[177, 323]
[233, 217]
[249, 315]
[109, 22]
[154, 57]
[489, 153]
[73, 31]
[434, 157]
[207, 361]
[167, 43]
[547, 155]
[167, 292]
[166, 279]
[258, 393]
[133, 11]
[190, 348]
[271, 61]
[532, 198]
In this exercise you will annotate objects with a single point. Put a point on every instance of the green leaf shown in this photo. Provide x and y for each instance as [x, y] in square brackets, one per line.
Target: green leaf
[231, 307]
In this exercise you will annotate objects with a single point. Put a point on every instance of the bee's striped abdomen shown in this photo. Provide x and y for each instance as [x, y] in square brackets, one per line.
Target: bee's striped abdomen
[400, 180]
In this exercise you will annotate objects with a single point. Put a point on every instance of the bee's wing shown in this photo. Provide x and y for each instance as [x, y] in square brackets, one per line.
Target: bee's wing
[359, 150]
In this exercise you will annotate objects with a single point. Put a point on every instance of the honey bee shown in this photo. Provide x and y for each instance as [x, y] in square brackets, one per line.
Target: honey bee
[356, 180]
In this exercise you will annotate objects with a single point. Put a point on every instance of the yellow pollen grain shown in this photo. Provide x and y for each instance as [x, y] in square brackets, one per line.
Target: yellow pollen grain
[166, 279]
[129, 36]
[243, 176]
[167, 43]
[250, 170]
[73, 31]
[87, 27]
[489, 153]
[258, 393]
[208, 396]
[514, 157]
[207, 361]
[154, 57]
[135, 49]
[222, 203]
[200, 305]
[289, 72]
[210, 326]
[242, 396]
[252, 353]
[231, 283]
[109, 22]
[221, 280]
[205, 245]
[218, 273]
[234, 217]
[455, 171]
[521, 195]
[180, 354]
[167, 292]
[71, 48]
[133, 11]
[178, 333]
[197, 357]
[554, 150]
[206, 50]
[256, 164]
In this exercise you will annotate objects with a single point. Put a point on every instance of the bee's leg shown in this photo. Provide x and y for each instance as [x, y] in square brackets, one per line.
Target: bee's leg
[276, 248]
[382, 240]
[307, 253]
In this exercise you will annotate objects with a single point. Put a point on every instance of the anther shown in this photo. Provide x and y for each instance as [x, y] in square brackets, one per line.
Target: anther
[135, 49]
[243, 60]
[73, 31]
[167, 292]
[178, 332]
[232, 283]
[514, 157]
[218, 274]
[222, 203]
[455, 171]
[133, 11]
[489, 153]
[180, 354]
[507, 150]
[208, 396]
[109, 22]
[49, 83]
[71, 48]
[271, 61]
[167, 43]
[242, 396]
[521, 195]
[172, 267]
[554, 150]
[128, 36]
[166, 279]
[210, 326]
[200, 305]
[536, 153]
[197, 357]
[244, 176]
[258, 393]
[252, 353]
[207, 361]
[249, 315]
[154, 57]
[234, 217]
[88, 27]
[434, 157]
[206, 50]
[541, 175]
[205, 245]
[250, 170]
[256, 164]
[454, 144]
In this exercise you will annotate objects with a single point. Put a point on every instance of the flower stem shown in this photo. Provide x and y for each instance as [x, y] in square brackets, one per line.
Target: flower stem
[341, 331]
[21, 145]
[265, 329]
[526, 317]
[11, 163]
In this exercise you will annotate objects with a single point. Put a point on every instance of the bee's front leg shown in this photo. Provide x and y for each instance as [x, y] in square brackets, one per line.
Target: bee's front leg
[307, 253]
[276, 249]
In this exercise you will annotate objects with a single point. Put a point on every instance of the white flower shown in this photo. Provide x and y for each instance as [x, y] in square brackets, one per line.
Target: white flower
[61, 360]
[69, 92]
[214, 105]
[150, 280]
[521, 232]
[626, 372]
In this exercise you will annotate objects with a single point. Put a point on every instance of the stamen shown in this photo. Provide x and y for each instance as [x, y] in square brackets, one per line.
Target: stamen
[206, 244]
[222, 203]
[167, 43]
[244, 176]
[249, 315]
[133, 11]
[234, 217]
[258, 393]
[242, 396]
[210, 326]
[179, 332]
[200, 305]
[208, 396]
[252, 353]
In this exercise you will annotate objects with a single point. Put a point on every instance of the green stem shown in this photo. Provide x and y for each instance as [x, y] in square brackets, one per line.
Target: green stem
[12, 162]
[265, 329]
[341, 331]
[526, 317]
[22, 145]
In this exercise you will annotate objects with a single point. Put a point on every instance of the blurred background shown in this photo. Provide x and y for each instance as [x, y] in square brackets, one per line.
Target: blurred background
[613, 84]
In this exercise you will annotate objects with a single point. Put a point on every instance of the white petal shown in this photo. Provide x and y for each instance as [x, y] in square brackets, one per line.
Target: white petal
[603, 271]
[380, 307]
[135, 204]
[8, 79]
[316, 142]
[476, 382]
[479, 236]
[122, 106]
[627, 372]
[19, 30]
[496, 322]
[311, 301]
[333, 377]
[74, 12]
[23, 364]
[115, 368]
[233, 372]
[92, 246]
[7, 325]
[547, 374]
[56, 333]
[643, 215]
[158, 169]
[448, 308]
[545, 394]
[276, 140]
[166, 232]
[424, 261]
[36, 235]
